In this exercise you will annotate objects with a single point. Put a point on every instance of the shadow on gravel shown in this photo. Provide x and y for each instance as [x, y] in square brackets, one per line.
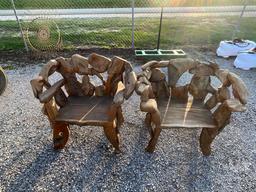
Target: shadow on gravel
[140, 162]
[199, 167]
[26, 180]
[107, 172]
[105, 166]
[12, 162]
[90, 167]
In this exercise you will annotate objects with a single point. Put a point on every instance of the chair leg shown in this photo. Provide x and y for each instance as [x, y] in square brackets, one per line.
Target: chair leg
[60, 135]
[155, 119]
[112, 134]
[206, 138]
[120, 117]
[153, 141]
[148, 124]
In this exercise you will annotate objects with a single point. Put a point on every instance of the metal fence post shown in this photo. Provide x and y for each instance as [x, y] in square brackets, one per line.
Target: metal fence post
[239, 21]
[18, 21]
[133, 46]
[160, 29]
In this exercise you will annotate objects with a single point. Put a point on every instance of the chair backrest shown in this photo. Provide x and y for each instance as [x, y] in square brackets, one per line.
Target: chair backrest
[116, 70]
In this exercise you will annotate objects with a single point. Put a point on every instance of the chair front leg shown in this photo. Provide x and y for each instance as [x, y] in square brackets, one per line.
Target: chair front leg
[112, 134]
[155, 119]
[120, 117]
[60, 130]
[148, 124]
[153, 141]
[60, 134]
[206, 138]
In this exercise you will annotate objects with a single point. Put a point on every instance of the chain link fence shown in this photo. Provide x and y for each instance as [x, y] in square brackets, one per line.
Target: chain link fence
[73, 24]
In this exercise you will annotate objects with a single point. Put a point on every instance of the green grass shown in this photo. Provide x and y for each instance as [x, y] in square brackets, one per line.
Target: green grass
[116, 32]
[8, 67]
[35, 4]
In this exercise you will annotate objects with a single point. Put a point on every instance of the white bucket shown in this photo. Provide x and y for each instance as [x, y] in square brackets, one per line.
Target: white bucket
[246, 60]
[233, 48]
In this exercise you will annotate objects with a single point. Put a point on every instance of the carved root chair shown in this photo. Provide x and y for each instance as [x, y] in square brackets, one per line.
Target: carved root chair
[195, 105]
[70, 101]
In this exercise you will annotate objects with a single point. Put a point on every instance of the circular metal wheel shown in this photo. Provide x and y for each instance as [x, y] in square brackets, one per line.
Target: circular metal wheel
[43, 34]
[3, 81]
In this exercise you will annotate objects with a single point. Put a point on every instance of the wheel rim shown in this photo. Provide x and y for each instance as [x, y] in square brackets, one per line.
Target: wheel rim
[43, 34]
[3, 81]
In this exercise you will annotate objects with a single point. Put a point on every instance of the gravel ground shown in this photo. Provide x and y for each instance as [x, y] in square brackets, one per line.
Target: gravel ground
[29, 163]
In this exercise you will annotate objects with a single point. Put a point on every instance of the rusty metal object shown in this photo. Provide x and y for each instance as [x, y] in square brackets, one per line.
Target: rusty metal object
[43, 34]
[3, 80]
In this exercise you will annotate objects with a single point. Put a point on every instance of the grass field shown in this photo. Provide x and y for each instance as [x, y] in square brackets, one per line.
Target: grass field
[102, 33]
[35, 4]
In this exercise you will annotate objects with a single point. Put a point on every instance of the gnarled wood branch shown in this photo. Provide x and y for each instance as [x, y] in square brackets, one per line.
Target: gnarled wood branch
[99, 62]
[119, 96]
[149, 65]
[80, 64]
[49, 69]
[47, 95]
[177, 67]
[130, 82]
[239, 88]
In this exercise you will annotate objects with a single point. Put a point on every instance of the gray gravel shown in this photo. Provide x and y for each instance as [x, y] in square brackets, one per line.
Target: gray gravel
[28, 162]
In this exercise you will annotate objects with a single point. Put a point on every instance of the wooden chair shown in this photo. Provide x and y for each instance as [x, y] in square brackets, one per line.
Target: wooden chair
[194, 105]
[70, 101]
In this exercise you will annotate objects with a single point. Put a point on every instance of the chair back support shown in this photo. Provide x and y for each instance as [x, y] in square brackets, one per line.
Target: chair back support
[76, 73]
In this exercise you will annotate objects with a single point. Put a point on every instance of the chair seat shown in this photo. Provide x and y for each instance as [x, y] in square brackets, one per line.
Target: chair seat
[184, 114]
[84, 110]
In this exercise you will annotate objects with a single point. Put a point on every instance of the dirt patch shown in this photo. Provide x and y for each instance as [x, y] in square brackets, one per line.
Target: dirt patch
[22, 58]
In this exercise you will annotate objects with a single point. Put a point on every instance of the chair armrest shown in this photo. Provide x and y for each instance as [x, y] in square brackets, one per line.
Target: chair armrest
[117, 101]
[37, 85]
[235, 105]
[130, 82]
[47, 95]
[149, 106]
[119, 96]
[223, 113]
[148, 102]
